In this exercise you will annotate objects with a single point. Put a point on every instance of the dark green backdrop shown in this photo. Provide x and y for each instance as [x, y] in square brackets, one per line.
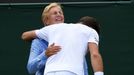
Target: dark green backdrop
[116, 41]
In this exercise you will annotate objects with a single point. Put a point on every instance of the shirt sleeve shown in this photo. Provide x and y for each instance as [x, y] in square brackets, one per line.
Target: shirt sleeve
[37, 58]
[93, 37]
[42, 33]
[85, 67]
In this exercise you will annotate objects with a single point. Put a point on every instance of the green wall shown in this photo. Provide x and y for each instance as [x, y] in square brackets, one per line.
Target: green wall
[116, 40]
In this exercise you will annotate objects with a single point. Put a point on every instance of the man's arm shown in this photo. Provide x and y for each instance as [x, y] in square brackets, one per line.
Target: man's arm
[39, 53]
[96, 59]
[28, 35]
[37, 58]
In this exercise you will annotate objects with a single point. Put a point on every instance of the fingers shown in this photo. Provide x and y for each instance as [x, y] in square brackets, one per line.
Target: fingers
[55, 48]
[52, 49]
[52, 44]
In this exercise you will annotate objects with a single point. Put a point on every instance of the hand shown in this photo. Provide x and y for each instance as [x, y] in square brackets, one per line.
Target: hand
[52, 49]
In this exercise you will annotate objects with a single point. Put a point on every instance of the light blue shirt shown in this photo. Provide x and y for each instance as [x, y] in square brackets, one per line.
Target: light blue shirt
[37, 58]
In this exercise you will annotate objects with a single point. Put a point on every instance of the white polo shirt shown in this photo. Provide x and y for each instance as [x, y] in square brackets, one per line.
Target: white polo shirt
[73, 39]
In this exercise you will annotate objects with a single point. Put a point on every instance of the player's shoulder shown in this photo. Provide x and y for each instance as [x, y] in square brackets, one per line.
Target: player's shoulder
[84, 26]
[56, 25]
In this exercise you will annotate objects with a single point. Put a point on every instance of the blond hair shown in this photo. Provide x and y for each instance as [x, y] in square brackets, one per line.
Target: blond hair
[46, 10]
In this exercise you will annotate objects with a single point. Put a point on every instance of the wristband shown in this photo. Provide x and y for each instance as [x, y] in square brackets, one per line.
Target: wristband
[98, 73]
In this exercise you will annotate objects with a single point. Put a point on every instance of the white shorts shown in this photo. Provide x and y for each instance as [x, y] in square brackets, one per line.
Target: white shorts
[61, 73]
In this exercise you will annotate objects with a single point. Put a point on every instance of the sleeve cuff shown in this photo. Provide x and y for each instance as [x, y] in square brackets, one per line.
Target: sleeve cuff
[98, 73]
[43, 56]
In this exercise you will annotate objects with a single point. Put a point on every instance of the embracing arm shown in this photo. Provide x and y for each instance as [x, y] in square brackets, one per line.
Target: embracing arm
[37, 57]
[39, 54]
[28, 35]
[96, 59]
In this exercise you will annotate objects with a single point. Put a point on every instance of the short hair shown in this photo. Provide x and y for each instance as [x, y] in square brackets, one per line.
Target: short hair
[91, 22]
[47, 9]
